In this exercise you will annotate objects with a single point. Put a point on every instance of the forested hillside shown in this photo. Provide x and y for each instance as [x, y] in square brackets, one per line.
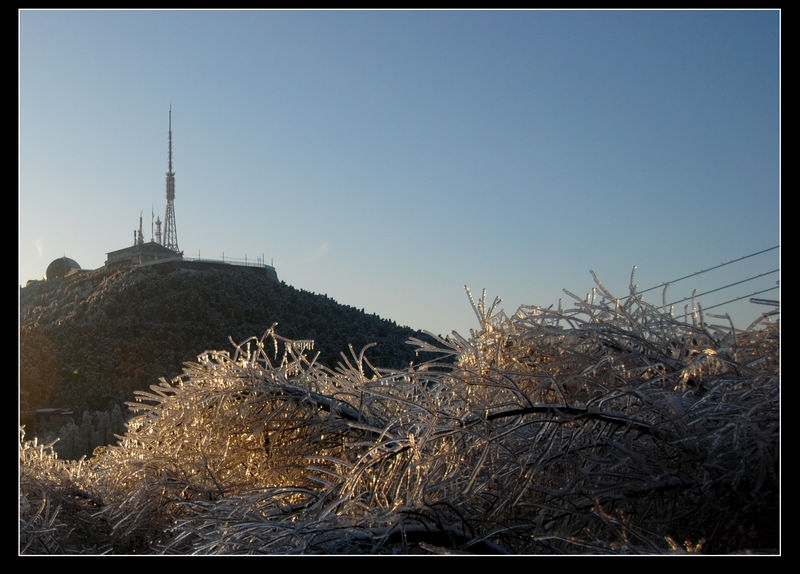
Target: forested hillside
[88, 340]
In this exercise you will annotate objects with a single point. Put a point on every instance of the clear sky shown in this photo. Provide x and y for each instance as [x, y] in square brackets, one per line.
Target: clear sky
[389, 158]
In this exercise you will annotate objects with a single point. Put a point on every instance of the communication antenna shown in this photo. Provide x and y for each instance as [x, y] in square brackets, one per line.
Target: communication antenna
[170, 230]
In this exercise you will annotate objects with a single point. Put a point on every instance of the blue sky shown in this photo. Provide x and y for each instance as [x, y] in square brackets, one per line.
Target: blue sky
[389, 158]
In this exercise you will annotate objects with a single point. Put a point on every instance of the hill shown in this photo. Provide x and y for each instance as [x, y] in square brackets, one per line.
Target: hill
[90, 339]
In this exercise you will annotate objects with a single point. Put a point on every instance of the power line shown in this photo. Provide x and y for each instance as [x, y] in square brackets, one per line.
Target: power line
[700, 272]
[666, 283]
[721, 288]
[735, 299]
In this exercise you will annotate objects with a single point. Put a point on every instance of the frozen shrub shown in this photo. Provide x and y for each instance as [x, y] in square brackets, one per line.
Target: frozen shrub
[608, 428]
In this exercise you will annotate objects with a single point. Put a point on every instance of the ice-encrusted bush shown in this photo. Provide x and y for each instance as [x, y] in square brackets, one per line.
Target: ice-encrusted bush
[607, 428]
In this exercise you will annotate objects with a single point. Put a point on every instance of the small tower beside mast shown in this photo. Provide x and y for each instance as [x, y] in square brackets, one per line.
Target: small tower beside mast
[139, 237]
[170, 230]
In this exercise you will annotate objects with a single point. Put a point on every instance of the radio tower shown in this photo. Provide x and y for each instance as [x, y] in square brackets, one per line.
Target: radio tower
[170, 232]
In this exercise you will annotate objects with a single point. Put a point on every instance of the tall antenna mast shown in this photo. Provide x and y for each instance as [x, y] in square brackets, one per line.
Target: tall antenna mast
[170, 231]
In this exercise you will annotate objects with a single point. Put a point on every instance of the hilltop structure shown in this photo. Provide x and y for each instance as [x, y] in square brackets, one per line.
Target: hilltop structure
[160, 248]
[154, 250]
[62, 267]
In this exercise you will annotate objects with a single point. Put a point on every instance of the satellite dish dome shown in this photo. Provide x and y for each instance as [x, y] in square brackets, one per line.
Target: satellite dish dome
[61, 267]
